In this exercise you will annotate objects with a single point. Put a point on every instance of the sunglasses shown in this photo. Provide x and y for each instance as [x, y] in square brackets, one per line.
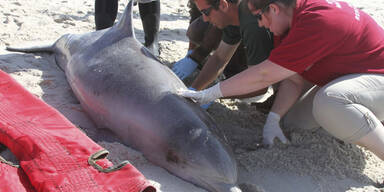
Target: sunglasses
[263, 10]
[208, 10]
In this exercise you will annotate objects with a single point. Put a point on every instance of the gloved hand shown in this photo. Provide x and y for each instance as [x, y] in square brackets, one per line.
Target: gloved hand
[189, 52]
[204, 96]
[272, 130]
[205, 106]
[184, 67]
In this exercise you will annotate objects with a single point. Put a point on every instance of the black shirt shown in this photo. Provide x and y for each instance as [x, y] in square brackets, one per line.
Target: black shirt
[257, 41]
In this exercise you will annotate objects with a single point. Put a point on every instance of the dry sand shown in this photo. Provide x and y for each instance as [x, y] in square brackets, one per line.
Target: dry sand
[314, 161]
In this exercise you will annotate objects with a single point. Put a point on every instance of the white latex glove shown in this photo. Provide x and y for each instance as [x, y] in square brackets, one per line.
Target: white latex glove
[204, 96]
[272, 130]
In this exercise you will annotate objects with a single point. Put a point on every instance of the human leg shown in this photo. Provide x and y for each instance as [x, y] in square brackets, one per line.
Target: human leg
[105, 13]
[351, 109]
[150, 17]
[374, 141]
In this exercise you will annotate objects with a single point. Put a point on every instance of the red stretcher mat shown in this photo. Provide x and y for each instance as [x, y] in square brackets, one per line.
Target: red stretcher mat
[54, 154]
[13, 179]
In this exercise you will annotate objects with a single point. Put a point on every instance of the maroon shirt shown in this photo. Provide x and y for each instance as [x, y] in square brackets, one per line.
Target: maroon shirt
[329, 39]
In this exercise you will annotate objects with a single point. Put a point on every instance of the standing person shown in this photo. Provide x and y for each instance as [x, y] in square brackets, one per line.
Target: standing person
[106, 12]
[330, 44]
[239, 26]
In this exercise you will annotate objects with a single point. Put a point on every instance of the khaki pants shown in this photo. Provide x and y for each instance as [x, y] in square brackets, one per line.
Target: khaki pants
[348, 107]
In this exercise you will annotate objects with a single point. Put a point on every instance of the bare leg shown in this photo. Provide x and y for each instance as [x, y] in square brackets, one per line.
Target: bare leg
[374, 141]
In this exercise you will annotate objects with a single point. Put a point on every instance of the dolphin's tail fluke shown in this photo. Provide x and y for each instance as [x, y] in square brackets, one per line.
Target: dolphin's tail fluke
[125, 22]
[32, 49]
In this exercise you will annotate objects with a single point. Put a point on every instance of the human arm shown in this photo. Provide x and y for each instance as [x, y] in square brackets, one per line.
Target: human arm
[289, 91]
[265, 74]
[187, 65]
[256, 78]
[204, 38]
[253, 79]
[215, 65]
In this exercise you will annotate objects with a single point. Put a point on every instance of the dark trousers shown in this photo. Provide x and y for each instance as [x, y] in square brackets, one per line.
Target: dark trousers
[106, 12]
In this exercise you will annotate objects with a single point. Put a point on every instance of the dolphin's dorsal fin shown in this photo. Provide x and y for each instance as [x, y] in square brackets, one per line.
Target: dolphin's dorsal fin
[125, 23]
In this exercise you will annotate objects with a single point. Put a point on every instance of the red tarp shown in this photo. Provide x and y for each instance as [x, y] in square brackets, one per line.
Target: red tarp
[13, 179]
[54, 153]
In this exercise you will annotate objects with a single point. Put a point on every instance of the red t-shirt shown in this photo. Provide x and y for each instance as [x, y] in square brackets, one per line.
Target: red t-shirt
[329, 39]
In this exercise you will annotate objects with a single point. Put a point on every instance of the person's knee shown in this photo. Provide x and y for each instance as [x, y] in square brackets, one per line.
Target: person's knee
[327, 111]
[342, 118]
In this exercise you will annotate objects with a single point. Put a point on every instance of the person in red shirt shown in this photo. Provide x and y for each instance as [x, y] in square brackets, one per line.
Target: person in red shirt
[326, 43]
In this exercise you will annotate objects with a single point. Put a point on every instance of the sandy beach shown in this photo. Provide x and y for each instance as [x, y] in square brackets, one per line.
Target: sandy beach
[313, 162]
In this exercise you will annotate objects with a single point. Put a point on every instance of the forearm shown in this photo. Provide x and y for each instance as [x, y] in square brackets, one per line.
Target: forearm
[210, 71]
[249, 95]
[254, 78]
[288, 93]
[214, 65]
[199, 54]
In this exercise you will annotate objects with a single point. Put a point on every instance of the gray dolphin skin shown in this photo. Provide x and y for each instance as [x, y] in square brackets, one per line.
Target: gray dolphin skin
[124, 88]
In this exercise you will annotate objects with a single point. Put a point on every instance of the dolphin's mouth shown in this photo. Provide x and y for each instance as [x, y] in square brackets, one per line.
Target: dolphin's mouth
[219, 187]
[217, 180]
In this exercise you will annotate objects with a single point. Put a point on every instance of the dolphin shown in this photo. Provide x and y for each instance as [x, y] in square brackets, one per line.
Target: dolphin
[124, 88]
